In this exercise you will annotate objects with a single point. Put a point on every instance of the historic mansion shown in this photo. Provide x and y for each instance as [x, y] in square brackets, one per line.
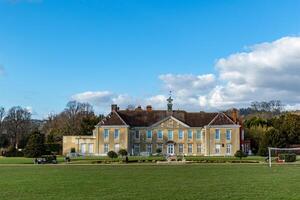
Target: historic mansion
[143, 131]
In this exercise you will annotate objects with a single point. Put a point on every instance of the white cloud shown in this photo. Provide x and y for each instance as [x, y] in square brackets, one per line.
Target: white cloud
[267, 71]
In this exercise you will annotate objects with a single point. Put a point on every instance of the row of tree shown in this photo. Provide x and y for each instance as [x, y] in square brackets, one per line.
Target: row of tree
[17, 126]
[279, 131]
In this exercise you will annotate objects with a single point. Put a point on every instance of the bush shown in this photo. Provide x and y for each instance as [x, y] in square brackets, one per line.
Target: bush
[288, 157]
[240, 154]
[13, 152]
[53, 148]
[123, 152]
[158, 150]
[112, 154]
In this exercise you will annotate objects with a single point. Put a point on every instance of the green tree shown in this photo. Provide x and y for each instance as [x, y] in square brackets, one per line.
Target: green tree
[112, 154]
[36, 145]
[123, 152]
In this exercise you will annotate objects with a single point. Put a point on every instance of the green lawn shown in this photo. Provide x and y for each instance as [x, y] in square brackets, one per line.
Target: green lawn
[196, 181]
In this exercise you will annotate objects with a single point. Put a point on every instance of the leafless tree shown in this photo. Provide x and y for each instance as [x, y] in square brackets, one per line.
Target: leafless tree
[17, 122]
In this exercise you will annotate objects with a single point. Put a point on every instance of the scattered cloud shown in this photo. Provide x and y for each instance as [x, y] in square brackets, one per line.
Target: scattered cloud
[263, 72]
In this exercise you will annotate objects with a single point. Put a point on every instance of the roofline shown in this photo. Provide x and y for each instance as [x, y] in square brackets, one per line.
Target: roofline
[125, 124]
[170, 117]
[233, 123]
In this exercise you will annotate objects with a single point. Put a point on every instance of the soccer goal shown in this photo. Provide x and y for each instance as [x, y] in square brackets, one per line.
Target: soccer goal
[283, 155]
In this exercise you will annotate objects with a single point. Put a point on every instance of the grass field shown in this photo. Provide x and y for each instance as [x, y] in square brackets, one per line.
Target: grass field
[196, 181]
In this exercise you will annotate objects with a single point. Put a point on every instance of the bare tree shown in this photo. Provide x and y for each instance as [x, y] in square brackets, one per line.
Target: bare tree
[17, 123]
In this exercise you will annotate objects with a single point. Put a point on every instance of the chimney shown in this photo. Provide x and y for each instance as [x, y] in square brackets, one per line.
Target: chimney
[149, 108]
[114, 107]
[139, 108]
[234, 115]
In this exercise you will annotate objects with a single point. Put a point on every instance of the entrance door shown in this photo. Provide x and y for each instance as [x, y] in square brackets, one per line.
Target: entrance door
[170, 150]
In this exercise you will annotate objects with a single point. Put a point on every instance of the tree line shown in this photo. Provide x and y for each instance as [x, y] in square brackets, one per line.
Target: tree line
[17, 125]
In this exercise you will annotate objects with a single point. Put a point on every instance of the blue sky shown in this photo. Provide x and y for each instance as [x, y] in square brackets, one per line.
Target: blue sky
[134, 52]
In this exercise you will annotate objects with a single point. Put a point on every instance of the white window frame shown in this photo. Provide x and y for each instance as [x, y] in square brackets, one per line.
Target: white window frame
[149, 145]
[83, 148]
[188, 134]
[135, 147]
[91, 148]
[106, 147]
[182, 145]
[172, 133]
[218, 147]
[104, 134]
[230, 134]
[162, 135]
[190, 145]
[117, 147]
[182, 132]
[219, 134]
[137, 132]
[199, 147]
[230, 149]
[148, 131]
[116, 131]
[199, 132]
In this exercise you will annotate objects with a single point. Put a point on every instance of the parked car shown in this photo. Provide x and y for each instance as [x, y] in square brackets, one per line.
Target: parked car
[46, 159]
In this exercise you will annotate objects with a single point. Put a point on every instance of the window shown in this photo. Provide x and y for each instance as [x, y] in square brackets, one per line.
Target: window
[137, 134]
[170, 135]
[180, 148]
[228, 149]
[82, 145]
[160, 146]
[180, 134]
[136, 149]
[218, 149]
[117, 148]
[106, 148]
[106, 133]
[149, 134]
[160, 134]
[190, 148]
[116, 135]
[91, 148]
[198, 148]
[228, 134]
[190, 134]
[217, 136]
[199, 135]
[149, 148]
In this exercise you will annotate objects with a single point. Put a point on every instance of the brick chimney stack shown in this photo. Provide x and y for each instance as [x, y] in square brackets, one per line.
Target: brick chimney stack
[149, 108]
[235, 115]
[114, 107]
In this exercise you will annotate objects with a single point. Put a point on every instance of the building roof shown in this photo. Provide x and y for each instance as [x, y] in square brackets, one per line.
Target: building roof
[144, 118]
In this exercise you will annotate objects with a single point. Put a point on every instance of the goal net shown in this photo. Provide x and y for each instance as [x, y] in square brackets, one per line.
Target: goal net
[283, 155]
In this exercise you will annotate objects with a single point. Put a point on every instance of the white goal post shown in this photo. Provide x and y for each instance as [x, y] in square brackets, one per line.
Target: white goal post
[277, 151]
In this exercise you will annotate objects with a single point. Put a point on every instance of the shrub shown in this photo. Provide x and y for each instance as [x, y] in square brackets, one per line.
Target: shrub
[158, 150]
[240, 154]
[112, 154]
[288, 157]
[13, 152]
[54, 148]
[123, 152]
